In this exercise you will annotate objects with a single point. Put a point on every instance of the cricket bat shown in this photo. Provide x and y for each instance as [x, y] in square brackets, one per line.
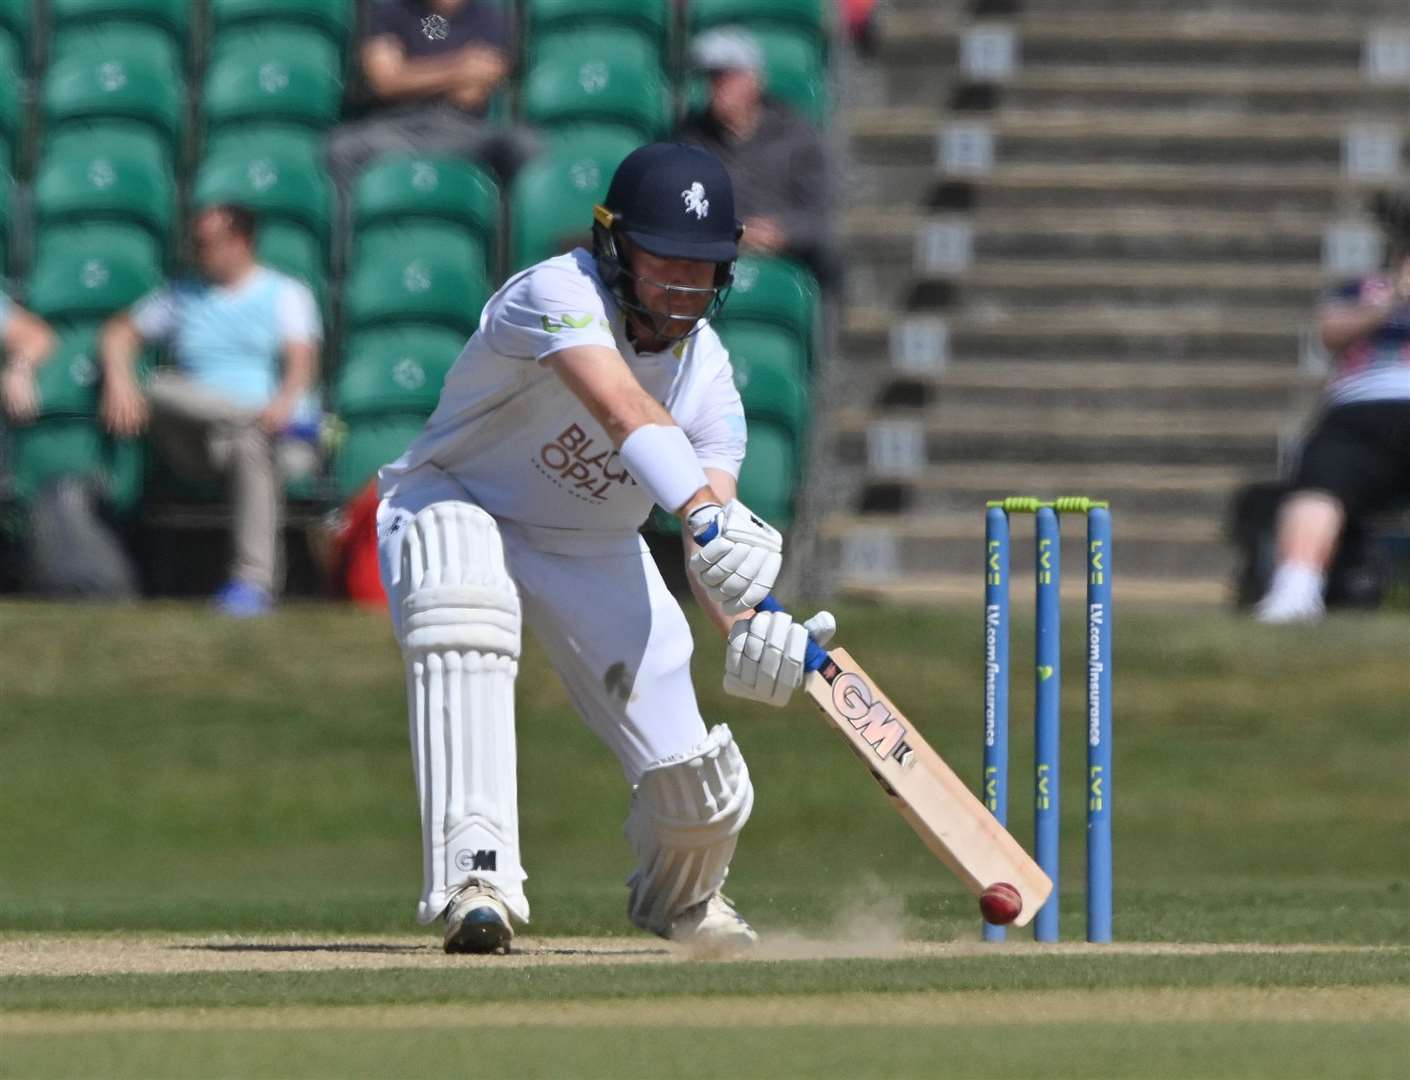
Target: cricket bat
[946, 815]
[925, 791]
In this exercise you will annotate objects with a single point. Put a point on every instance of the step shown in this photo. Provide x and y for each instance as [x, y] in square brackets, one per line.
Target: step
[1350, 9]
[919, 50]
[1158, 546]
[1103, 333]
[1052, 282]
[1257, 244]
[1094, 138]
[1202, 491]
[1292, 188]
[1066, 434]
[1332, 92]
[1171, 386]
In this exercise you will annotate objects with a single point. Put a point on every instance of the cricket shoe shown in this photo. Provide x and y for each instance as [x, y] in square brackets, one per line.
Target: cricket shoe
[712, 927]
[477, 921]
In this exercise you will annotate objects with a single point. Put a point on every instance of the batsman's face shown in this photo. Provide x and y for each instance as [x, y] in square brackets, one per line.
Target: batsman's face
[679, 289]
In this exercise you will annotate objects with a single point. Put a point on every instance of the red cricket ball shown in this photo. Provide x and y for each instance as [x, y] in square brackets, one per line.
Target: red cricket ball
[1000, 903]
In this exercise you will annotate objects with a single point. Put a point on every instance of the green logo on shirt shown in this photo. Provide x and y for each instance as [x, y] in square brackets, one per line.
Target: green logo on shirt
[554, 323]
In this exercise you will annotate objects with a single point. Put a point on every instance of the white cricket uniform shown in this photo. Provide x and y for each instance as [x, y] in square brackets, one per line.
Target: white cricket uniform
[510, 437]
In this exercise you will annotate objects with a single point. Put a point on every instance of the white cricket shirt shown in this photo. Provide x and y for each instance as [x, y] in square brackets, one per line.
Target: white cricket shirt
[523, 445]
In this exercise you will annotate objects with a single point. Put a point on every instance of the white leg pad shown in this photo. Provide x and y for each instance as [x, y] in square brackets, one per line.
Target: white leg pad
[460, 633]
[685, 819]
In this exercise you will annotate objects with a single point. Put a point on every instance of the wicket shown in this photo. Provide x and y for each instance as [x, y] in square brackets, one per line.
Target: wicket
[1047, 689]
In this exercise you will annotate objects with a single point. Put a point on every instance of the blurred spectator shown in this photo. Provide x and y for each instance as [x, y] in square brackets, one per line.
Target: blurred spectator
[432, 68]
[225, 407]
[27, 342]
[1357, 459]
[773, 154]
[859, 17]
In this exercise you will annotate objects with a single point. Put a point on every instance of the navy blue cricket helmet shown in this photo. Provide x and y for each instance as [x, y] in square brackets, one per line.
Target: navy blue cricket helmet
[676, 202]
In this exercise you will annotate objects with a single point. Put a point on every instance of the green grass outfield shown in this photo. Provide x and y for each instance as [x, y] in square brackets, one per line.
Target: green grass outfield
[166, 773]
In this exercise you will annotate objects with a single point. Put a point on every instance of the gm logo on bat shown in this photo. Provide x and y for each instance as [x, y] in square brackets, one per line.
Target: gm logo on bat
[879, 726]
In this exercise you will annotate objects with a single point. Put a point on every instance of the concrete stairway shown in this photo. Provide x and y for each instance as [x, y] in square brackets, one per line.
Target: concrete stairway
[1115, 302]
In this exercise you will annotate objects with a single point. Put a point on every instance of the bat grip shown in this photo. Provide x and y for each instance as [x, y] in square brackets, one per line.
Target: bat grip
[815, 656]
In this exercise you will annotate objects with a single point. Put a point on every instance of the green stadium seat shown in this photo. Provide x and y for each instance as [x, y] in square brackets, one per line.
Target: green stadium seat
[68, 382]
[91, 173]
[172, 16]
[395, 370]
[15, 24]
[551, 200]
[281, 178]
[272, 79]
[649, 19]
[129, 43]
[597, 78]
[400, 188]
[11, 120]
[132, 244]
[386, 388]
[806, 17]
[51, 448]
[332, 18]
[772, 390]
[293, 250]
[6, 192]
[88, 87]
[752, 343]
[395, 243]
[771, 473]
[72, 287]
[427, 277]
[11, 105]
[67, 438]
[369, 443]
[776, 292]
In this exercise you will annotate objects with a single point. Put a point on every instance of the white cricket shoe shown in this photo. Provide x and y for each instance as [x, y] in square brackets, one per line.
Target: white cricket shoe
[712, 926]
[477, 921]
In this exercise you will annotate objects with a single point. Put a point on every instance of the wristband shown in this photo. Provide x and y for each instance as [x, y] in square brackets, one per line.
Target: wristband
[662, 460]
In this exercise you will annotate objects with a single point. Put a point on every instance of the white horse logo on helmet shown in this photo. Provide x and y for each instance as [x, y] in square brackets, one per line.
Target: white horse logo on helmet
[695, 201]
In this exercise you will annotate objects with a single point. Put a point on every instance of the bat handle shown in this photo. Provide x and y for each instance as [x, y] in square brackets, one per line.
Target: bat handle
[816, 656]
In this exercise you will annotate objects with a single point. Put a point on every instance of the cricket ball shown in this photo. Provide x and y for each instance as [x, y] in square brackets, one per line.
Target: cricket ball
[1000, 903]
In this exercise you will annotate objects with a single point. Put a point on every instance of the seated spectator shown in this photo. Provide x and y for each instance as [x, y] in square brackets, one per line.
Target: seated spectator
[859, 17]
[226, 405]
[432, 67]
[1357, 459]
[773, 154]
[26, 341]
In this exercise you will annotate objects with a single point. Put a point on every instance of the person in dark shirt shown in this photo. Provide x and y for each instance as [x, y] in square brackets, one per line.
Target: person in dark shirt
[1357, 459]
[432, 68]
[774, 155]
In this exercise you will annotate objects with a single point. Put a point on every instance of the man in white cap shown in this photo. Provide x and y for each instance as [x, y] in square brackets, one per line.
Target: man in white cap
[773, 154]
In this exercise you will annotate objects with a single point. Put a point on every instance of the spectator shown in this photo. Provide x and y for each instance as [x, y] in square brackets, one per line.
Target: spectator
[226, 405]
[859, 16]
[432, 68]
[1357, 459]
[774, 156]
[27, 342]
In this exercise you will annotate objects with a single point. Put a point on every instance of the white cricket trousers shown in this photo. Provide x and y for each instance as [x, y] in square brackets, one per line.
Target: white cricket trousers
[618, 640]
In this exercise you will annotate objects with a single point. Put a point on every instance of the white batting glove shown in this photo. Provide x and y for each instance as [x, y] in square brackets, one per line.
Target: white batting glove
[740, 565]
[764, 657]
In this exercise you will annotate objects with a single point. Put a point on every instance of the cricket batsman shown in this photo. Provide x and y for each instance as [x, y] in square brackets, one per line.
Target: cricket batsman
[593, 389]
